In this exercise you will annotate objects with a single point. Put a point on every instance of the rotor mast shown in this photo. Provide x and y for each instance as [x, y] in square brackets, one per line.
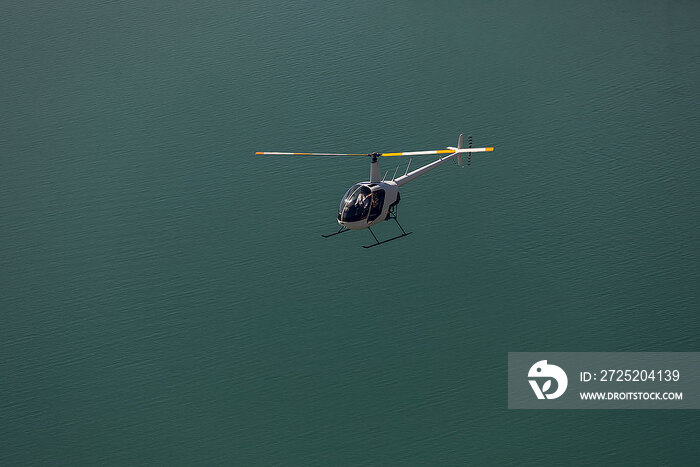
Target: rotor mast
[374, 173]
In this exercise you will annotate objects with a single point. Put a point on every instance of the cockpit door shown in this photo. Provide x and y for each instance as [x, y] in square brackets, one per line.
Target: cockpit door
[377, 205]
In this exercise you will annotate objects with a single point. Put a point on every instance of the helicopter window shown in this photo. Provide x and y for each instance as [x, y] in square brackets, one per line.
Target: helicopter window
[377, 204]
[355, 204]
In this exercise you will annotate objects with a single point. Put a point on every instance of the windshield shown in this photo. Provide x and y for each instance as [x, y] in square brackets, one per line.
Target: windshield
[355, 204]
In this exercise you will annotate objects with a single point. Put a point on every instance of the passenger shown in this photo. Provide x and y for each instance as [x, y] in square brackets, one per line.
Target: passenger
[363, 200]
[368, 200]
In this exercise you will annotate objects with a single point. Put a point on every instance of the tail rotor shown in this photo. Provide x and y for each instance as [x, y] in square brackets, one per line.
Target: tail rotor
[460, 145]
[469, 156]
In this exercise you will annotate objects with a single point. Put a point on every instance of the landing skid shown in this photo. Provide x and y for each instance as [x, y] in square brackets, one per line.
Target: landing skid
[403, 234]
[342, 230]
[391, 215]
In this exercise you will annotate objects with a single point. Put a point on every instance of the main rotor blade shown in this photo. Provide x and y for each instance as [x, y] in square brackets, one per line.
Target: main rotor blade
[418, 153]
[386, 154]
[437, 151]
[305, 154]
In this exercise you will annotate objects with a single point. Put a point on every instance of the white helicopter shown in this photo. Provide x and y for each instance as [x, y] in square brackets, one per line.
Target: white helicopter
[368, 203]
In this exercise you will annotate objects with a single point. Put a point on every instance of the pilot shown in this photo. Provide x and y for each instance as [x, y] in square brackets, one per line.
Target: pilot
[363, 199]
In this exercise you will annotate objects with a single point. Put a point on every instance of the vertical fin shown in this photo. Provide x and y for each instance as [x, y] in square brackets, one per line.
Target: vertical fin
[459, 146]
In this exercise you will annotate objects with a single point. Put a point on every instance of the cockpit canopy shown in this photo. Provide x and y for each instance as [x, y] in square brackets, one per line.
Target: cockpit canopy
[359, 202]
[355, 204]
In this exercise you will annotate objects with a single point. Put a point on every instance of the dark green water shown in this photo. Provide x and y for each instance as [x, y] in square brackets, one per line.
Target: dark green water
[166, 297]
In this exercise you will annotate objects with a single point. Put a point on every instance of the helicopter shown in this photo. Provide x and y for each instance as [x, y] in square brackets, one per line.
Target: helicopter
[368, 203]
